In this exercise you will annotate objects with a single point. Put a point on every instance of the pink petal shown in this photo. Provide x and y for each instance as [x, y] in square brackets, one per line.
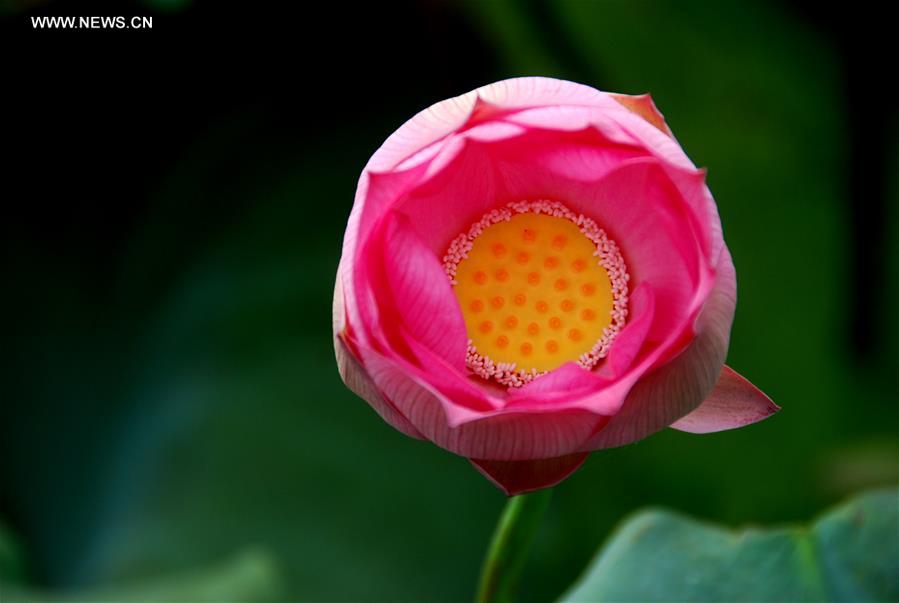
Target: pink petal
[518, 436]
[639, 126]
[406, 389]
[421, 293]
[685, 176]
[493, 131]
[422, 137]
[498, 434]
[617, 123]
[573, 118]
[675, 389]
[642, 105]
[628, 343]
[375, 194]
[620, 135]
[441, 119]
[516, 93]
[659, 143]
[567, 380]
[692, 186]
[596, 391]
[412, 323]
[423, 130]
[638, 205]
[469, 177]
[358, 381]
[634, 195]
[519, 477]
[452, 385]
[733, 403]
[383, 182]
[382, 191]
[448, 202]
[580, 155]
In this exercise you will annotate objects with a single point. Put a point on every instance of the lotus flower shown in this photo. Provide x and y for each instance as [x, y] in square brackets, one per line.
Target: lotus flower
[533, 271]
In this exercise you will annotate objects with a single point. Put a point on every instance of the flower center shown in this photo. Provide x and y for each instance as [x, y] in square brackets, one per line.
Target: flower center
[538, 286]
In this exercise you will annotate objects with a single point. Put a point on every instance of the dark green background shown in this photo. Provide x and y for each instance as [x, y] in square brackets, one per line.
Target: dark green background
[174, 210]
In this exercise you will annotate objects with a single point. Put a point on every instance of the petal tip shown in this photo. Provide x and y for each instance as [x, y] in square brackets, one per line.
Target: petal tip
[735, 402]
[644, 106]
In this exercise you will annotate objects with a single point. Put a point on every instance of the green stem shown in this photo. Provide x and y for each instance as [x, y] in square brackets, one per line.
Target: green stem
[510, 545]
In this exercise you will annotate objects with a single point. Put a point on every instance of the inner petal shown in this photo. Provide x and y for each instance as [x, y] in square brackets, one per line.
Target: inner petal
[538, 287]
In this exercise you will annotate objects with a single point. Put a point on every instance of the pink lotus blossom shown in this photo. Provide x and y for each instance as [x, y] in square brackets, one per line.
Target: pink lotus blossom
[533, 271]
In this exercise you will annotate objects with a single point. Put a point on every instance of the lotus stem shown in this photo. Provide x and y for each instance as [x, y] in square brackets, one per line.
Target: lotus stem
[510, 546]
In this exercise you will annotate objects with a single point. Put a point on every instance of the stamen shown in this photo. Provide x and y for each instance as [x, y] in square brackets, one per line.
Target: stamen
[523, 261]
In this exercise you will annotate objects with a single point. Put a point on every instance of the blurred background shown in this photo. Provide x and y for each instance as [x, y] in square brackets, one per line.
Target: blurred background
[174, 204]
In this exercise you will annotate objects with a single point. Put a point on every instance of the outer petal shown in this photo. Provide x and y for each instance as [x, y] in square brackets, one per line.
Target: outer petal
[678, 387]
[498, 435]
[522, 92]
[733, 403]
[519, 477]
